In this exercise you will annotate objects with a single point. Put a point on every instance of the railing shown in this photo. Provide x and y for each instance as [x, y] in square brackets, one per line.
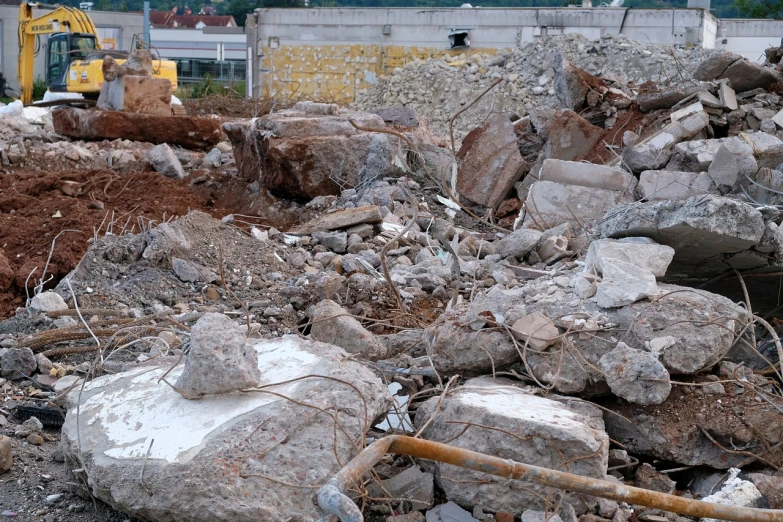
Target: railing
[194, 70]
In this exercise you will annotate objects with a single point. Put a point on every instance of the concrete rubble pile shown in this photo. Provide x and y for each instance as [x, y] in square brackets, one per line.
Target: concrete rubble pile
[437, 88]
[517, 297]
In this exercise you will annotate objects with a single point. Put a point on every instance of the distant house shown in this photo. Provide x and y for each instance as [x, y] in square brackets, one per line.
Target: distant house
[171, 20]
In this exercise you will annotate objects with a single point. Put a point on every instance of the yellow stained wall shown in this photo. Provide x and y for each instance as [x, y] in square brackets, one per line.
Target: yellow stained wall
[334, 73]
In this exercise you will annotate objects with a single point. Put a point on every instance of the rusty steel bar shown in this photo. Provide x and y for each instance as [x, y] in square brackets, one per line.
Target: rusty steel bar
[332, 498]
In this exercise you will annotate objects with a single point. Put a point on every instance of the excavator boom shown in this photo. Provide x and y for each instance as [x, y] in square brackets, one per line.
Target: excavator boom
[74, 55]
[59, 19]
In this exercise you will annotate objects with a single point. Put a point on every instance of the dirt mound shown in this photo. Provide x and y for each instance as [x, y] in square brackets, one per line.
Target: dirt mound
[34, 209]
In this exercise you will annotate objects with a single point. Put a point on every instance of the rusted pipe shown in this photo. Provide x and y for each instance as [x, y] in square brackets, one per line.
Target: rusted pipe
[332, 498]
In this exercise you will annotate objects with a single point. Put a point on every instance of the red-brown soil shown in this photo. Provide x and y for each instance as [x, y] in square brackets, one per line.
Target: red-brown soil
[29, 200]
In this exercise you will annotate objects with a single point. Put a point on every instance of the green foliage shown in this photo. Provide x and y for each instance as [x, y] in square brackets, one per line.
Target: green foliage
[209, 87]
[761, 8]
[39, 89]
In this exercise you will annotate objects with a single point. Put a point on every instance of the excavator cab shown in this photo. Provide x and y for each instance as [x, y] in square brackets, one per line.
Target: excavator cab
[63, 49]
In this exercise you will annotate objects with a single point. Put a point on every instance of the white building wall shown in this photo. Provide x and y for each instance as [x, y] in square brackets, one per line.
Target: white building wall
[196, 43]
[749, 37]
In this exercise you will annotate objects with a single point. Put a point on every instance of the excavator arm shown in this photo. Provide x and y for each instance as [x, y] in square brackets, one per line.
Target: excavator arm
[59, 19]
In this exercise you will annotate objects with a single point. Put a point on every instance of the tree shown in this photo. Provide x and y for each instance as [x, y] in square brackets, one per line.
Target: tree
[761, 8]
[103, 5]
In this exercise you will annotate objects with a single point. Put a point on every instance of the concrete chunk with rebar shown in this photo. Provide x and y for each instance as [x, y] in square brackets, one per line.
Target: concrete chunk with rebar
[94, 124]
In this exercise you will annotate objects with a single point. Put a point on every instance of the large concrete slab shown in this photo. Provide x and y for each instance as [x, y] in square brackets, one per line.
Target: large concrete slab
[209, 460]
[94, 124]
[701, 229]
[551, 204]
[657, 185]
[495, 417]
[490, 162]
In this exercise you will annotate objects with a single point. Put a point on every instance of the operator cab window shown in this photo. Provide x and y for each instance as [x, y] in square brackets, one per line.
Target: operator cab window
[81, 46]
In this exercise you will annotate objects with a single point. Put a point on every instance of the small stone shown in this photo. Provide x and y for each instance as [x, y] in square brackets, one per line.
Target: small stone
[28, 427]
[54, 499]
[6, 455]
[48, 302]
[536, 329]
[335, 241]
[648, 478]
[16, 363]
[44, 364]
[635, 375]
[164, 160]
[35, 439]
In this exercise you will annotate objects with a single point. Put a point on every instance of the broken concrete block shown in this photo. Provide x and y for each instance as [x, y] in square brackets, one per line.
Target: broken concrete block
[550, 204]
[163, 160]
[728, 97]
[139, 94]
[724, 169]
[647, 477]
[770, 486]
[623, 284]
[698, 155]
[6, 454]
[190, 272]
[335, 241]
[413, 485]
[707, 99]
[668, 184]
[399, 116]
[572, 84]
[518, 243]
[552, 248]
[646, 156]
[91, 124]
[635, 375]
[221, 359]
[449, 512]
[772, 240]
[585, 175]
[490, 162]
[700, 229]
[577, 432]
[48, 302]
[571, 137]
[666, 99]
[743, 75]
[218, 436]
[680, 130]
[735, 492]
[641, 252]
[535, 330]
[301, 156]
[334, 325]
[17, 363]
[342, 219]
[535, 515]
[686, 111]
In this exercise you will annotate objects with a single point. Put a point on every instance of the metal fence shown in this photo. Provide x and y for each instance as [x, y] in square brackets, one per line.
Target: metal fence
[193, 70]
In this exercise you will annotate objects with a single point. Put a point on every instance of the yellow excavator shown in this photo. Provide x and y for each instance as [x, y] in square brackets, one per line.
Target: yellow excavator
[73, 55]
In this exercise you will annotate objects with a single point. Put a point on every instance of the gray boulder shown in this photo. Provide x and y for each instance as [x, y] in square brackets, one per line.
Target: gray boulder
[333, 324]
[635, 375]
[163, 160]
[221, 358]
[16, 363]
[48, 302]
[519, 243]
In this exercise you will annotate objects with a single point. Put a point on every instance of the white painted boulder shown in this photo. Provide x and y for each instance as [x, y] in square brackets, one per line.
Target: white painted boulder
[243, 456]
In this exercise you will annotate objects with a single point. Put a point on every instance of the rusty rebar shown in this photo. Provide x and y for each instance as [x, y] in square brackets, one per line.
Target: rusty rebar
[332, 498]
